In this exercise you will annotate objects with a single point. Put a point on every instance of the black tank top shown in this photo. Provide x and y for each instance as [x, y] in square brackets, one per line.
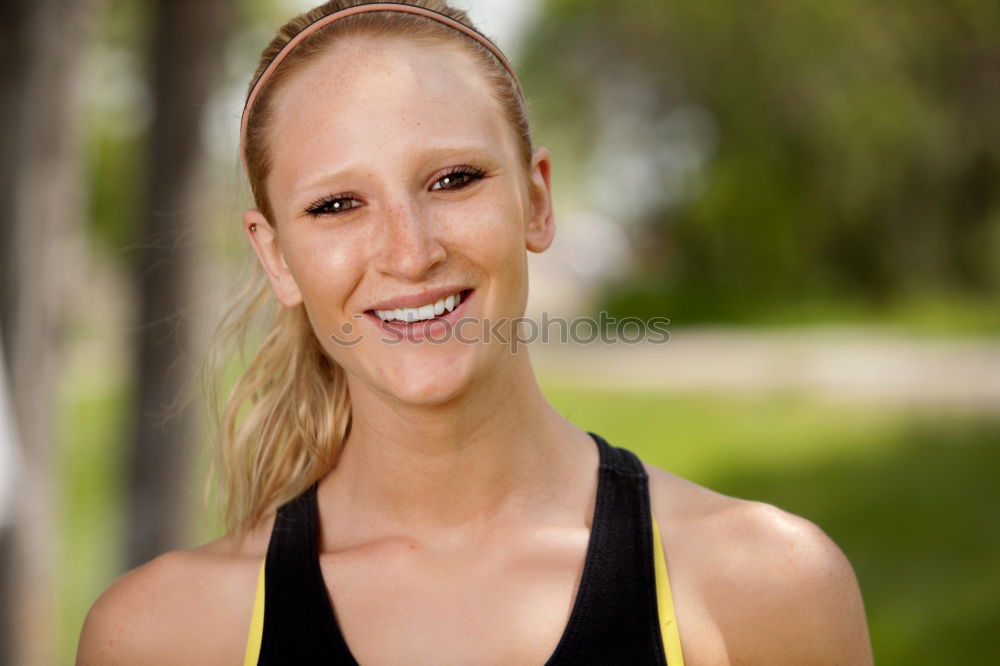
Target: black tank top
[613, 620]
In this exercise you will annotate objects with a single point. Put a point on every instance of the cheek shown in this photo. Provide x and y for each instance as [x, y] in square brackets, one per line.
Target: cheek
[325, 269]
[491, 233]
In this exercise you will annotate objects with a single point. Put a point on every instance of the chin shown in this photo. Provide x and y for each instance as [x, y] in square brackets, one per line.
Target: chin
[426, 394]
[429, 381]
[428, 390]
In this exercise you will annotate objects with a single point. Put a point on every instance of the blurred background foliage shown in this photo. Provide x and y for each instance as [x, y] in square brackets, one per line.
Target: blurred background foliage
[909, 496]
[782, 161]
[749, 164]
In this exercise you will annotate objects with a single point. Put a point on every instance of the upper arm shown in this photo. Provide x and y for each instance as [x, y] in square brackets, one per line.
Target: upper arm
[120, 627]
[800, 600]
[183, 607]
[769, 587]
[97, 641]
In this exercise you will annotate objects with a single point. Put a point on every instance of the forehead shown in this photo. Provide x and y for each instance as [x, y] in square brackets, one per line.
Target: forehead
[369, 98]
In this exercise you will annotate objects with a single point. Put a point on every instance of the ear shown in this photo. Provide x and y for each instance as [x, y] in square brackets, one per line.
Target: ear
[265, 243]
[541, 221]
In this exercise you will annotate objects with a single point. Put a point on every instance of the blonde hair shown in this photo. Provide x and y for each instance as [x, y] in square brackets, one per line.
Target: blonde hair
[282, 425]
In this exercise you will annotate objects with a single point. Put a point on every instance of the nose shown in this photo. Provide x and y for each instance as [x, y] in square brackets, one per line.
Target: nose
[408, 243]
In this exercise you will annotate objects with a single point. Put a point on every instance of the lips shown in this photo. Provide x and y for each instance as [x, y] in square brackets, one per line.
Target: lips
[418, 300]
[434, 327]
[422, 313]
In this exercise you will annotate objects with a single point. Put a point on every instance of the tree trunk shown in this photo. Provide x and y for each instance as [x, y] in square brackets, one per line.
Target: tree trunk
[41, 190]
[185, 55]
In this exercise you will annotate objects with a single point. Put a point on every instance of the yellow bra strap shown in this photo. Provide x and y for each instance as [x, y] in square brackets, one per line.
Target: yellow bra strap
[665, 603]
[256, 622]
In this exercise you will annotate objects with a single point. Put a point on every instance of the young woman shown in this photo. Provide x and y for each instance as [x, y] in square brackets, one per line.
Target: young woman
[399, 489]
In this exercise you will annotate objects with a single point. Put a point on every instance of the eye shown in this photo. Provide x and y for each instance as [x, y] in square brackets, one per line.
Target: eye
[457, 178]
[340, 203]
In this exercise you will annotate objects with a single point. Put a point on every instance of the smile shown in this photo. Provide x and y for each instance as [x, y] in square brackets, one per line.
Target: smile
[423, 312]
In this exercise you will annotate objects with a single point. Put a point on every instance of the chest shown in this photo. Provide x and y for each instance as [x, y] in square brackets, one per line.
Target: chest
[399, 603]
[566, 594]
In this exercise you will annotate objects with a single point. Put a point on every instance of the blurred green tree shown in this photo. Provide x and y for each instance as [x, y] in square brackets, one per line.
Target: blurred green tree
[847, 151]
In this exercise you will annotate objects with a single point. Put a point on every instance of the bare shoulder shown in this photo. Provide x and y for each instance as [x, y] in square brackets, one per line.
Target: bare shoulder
[776, 587]
[186, 606]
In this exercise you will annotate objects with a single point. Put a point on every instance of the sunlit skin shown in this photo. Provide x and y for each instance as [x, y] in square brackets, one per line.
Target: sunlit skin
[402, 231]
[455, 524]
[453, 438]
[399, 235]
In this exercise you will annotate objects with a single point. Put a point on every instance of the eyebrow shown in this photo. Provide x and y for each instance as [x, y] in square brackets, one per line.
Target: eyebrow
[429, 154]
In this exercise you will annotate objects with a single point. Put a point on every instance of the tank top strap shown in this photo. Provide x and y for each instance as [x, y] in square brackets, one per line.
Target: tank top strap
[619, 461]
[614, 619]
[297, 611]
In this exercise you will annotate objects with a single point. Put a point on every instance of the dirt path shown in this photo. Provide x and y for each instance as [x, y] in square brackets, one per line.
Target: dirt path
[835, 363]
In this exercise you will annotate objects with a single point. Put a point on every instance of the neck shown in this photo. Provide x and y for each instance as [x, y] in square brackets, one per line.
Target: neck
[463, 462]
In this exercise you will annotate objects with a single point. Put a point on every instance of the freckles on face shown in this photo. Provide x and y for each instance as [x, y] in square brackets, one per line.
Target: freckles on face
[369, 134]
[369, 107]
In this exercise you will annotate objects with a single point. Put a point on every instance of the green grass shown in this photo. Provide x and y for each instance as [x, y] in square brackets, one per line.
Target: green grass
[90, 514]
[922, 315]
[925, 313]
[910, 497]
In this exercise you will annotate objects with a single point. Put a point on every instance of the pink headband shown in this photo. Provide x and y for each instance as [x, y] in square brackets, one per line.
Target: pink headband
[351, 11]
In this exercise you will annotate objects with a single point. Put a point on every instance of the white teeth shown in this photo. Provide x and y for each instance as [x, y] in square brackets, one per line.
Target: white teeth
[422, 313]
